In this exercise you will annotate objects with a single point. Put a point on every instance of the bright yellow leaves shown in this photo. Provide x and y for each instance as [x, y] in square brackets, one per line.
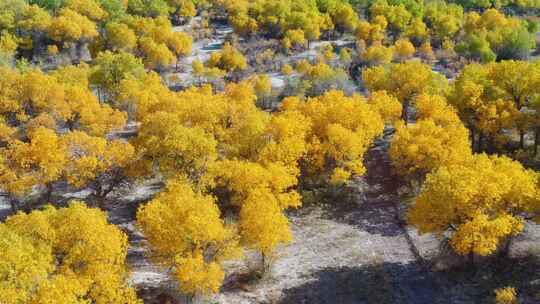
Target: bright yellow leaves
[67, 255]
[156, 54]
[262, 194]
[24, 165]
[285, 140]
[89, 157]
[294, 39]
[250, 159]
[397, 15]
[344, 17]
[92, 116]
[222, 141]
[77, 156]
[436, 108]
[342, 130]
[70, 26]
[228, 59]
[404, 81]
[262, 85]
[89, 8]
[196, 276]
[8, 44]
[377, 54]
[386, 105]
[42, 104]
[185, 230]
[417, 30]
[241, 177]
[425, 146]
[71, 104]
[186, 8]
[175, 149]
[372, 32]
[481, 234]
[262, 223]
[493, 98]
[438, 138]
[120, 36]
[479, 201]
[160, 45]
[35, 18]
[277, 18]
[506, 295]
[23, 266]
[403, 49]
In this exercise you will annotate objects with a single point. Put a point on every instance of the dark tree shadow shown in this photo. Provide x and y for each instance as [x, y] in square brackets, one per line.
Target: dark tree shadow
[365, 284]
[374, 210]
[389, 283]
[124, 210]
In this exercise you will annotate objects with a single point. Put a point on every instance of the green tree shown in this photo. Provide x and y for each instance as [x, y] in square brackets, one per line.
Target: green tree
[110, 69]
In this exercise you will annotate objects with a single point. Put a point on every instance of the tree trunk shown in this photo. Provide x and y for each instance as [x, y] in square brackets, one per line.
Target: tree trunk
[480, 142]
[99, 95]
[536, 140]
[473, 138]
[505, 252]
[405, 111]
[521, 139]
[48, 193]
[491, 145]
[263, 256]
[14, 204]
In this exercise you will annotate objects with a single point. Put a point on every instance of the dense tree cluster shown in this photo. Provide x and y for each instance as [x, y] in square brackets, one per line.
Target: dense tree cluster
[493, 98]
[59, 114]
[67, 255]
[222, 149]
[282, 18]
[99, 95]
[483, 102]
[481, 202]
[103, 25]
[481, 36]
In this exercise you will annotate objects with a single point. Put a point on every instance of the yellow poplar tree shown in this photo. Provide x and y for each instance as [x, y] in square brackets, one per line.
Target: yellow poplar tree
[96, 161]
[24, 165]
[342, 130]
[377, 54]
[120, 36]
[70, 26]
[68, 255]
[262, 193]
[480, 203]
[186, 232]
[438, 138]
[404, 81]
[228, 59]
[386, 105]
[403, 49]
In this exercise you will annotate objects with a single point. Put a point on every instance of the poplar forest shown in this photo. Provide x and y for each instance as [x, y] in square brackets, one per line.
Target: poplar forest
[269, 151]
